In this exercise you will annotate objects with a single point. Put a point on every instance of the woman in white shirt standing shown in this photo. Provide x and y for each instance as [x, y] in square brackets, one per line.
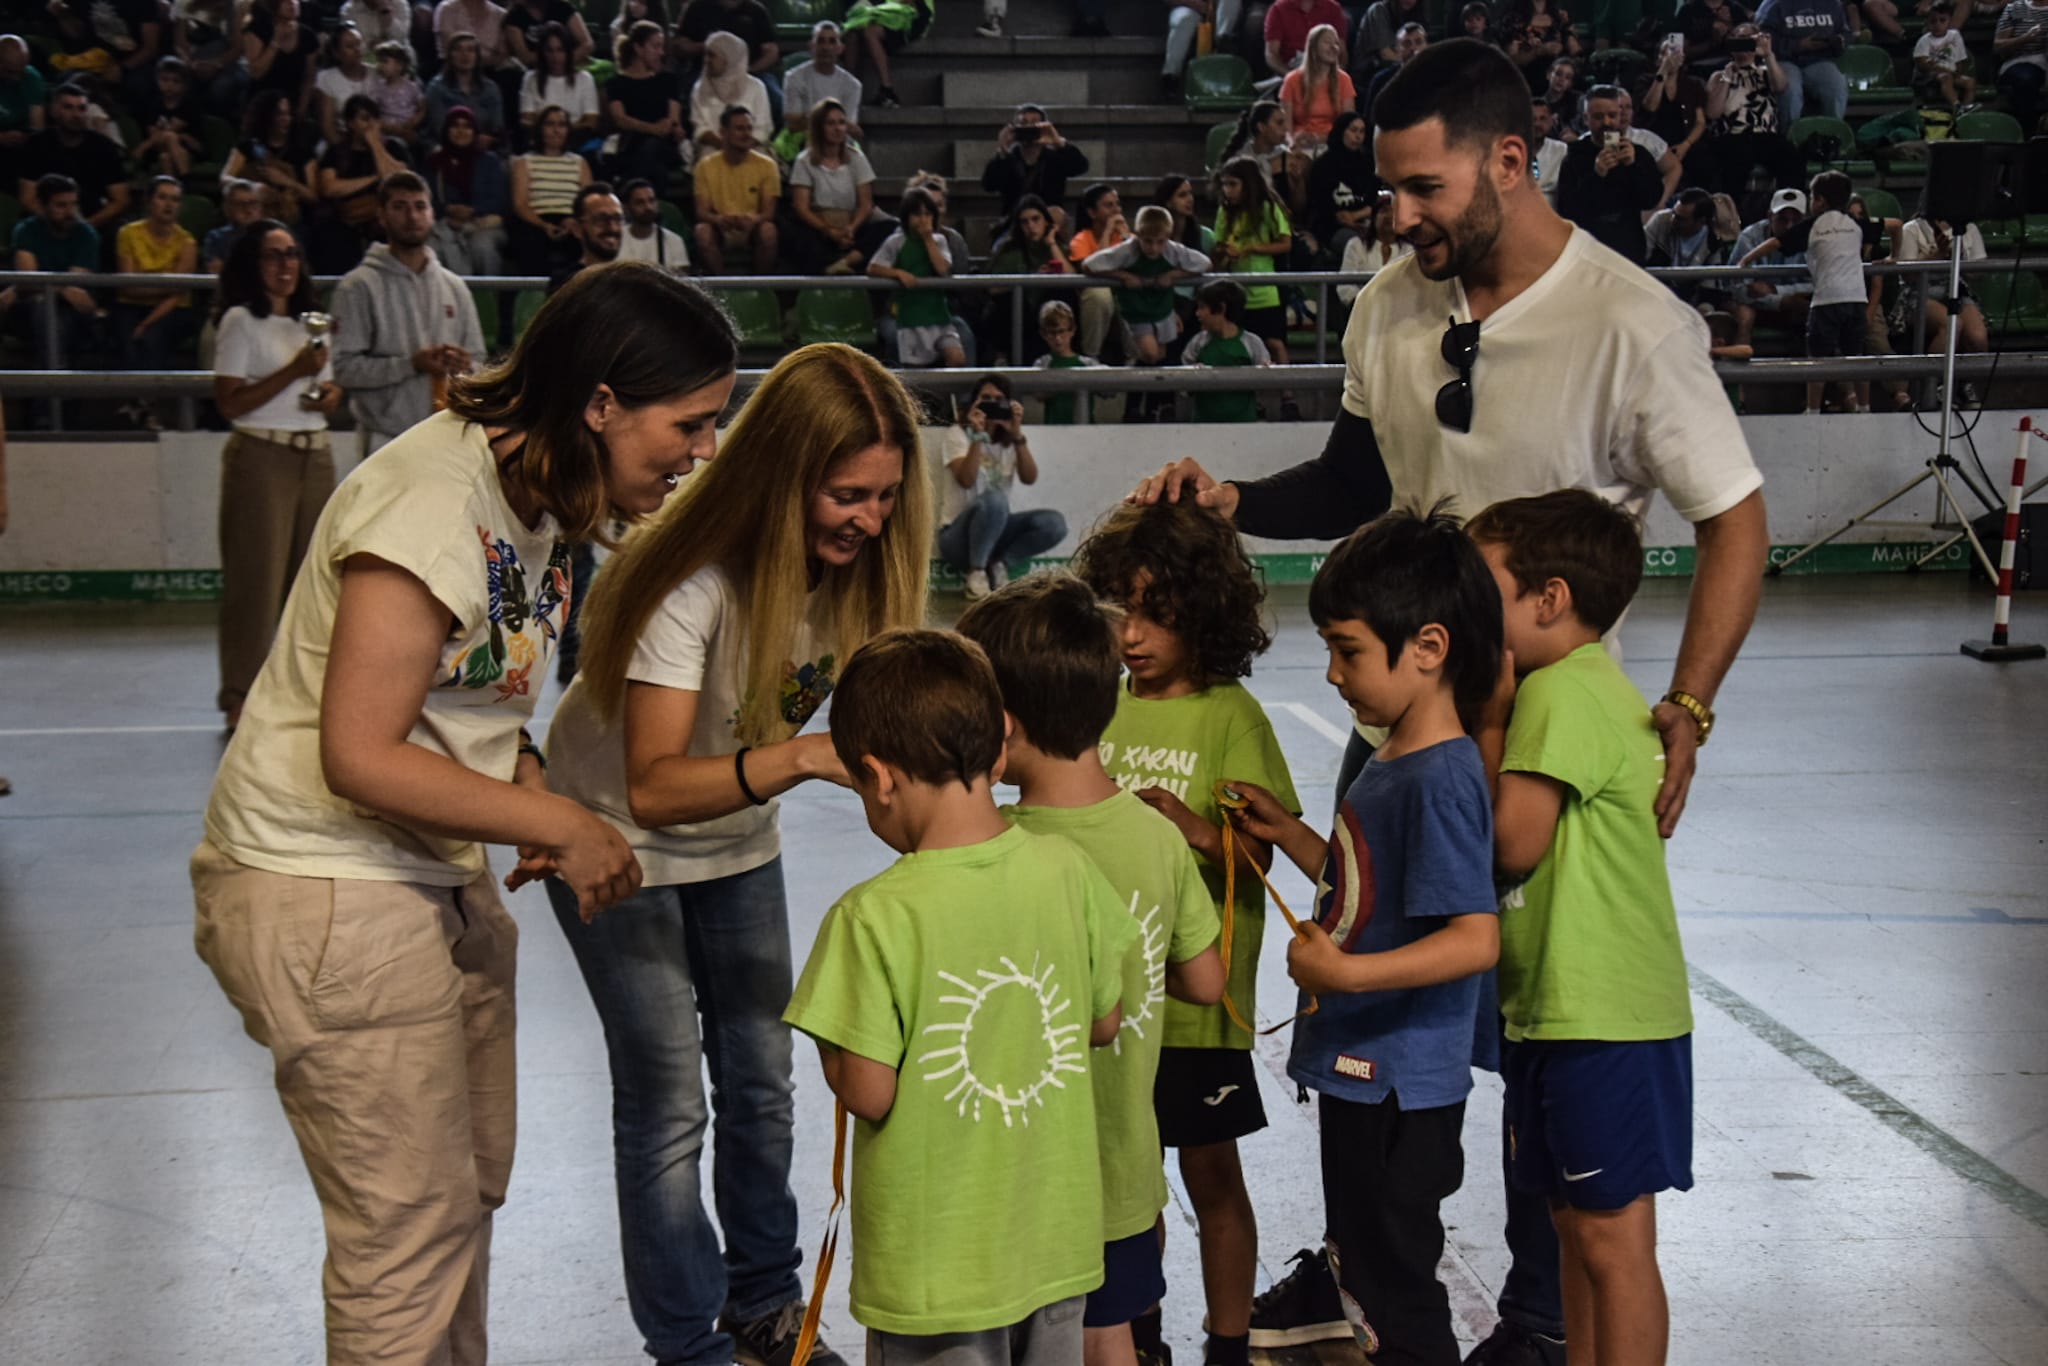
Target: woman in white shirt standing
[276, 470]
[709, 641]
[344, 901]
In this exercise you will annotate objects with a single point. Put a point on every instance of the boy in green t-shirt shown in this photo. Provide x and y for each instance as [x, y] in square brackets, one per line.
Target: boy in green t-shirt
[1056, 328]
[951, 999]
[1223, 343]
[1054, 647]
[1593, 992]
[926, 333]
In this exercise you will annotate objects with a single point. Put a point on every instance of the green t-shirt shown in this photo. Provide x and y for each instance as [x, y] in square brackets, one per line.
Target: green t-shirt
[1271, 226]
[1226, 405]
[1185, 744]
[920, 307]
[1589, 944]
[18, 98]
[1160, 881]
[975, 972]
[1059, 408]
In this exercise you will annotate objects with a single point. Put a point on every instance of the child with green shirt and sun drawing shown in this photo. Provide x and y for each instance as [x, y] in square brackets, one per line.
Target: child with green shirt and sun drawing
[1192, 625]
[1055, 650]
[1593, 990]
[954, 999]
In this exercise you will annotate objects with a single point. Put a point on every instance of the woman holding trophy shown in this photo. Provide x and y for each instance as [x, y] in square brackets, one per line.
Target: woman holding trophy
[273, 382]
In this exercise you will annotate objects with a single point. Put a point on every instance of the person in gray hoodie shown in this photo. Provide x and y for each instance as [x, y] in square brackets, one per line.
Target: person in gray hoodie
[403, 322]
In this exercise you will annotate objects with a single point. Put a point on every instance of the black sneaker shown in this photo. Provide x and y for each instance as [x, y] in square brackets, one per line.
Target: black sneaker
[771, 1339]
[885, 98]
[1303, 1307]
[1162, 1357]
[1508, 1345]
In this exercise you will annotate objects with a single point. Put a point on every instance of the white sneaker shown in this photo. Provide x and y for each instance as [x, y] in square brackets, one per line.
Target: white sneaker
[998, 574]
[977, 585]
[991, 26]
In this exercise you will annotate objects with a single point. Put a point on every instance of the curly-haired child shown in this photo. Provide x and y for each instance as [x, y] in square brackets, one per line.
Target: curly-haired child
[1192, 625]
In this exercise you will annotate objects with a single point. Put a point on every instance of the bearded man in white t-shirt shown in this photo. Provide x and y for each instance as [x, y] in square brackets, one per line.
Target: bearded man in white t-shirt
[1477, 414]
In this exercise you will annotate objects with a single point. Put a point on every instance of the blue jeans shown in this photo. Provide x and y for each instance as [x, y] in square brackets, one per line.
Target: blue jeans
[988, 531]
[1820, 84]
[655, 963]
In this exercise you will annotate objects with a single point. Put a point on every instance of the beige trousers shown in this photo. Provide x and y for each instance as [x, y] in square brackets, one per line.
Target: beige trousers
[270, 498]
[388, 1007]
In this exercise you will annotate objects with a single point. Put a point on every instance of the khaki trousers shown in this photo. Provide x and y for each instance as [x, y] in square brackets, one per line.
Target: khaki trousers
[270, 498]
[388, 1007]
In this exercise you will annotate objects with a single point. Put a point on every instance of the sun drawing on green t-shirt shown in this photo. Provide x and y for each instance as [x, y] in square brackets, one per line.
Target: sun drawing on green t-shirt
[1011, 1006]
[1152, 945]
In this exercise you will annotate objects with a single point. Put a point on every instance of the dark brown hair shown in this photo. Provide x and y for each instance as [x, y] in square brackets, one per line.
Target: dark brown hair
[1054, 648]
[1197, 580]
[924, 701]
[1574, 535]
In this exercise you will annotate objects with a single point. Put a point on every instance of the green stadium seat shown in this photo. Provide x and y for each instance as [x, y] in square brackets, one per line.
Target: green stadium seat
[672, 218]
[198, 215]
[1817, 129]
[1617, 66]
[835, 315]
[216, 140]
[792, 60]
[758, 317]
[1881, 203]
[524, 306]
[794, 19]
[2012, 303]
[1872, 77]
[1988, 125]
[1219, 83]
[2034, 229]
[486, 301]
[2001, 234]
[1219, 138]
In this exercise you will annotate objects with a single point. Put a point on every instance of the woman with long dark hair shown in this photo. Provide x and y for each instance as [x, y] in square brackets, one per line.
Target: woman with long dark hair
[276, 152]
[558, 81]
[1026, 243]
[344, 901]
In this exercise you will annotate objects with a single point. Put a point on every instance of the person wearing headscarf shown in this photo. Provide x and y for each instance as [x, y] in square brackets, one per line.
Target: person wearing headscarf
[471, 197]
[725, 83]
[1341, 186]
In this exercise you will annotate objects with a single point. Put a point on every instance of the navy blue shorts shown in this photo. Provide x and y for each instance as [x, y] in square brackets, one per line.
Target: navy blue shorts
[1132, 1281]
[1596, 1125]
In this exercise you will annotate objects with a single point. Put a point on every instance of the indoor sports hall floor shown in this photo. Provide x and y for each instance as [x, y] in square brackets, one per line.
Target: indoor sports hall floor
[1863, 883]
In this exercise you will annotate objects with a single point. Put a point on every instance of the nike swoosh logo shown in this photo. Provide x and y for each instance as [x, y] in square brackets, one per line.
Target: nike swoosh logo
[1220, 1096]
[1581, 1176]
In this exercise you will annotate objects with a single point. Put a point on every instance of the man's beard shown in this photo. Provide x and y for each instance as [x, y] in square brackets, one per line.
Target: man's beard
[1471, 238]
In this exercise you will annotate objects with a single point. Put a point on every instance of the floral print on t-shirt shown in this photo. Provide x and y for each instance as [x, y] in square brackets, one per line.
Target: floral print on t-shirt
[519, 623]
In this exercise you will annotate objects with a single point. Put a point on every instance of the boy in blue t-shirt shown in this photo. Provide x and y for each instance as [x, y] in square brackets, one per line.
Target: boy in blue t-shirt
[1593, 991]
[1407, 925]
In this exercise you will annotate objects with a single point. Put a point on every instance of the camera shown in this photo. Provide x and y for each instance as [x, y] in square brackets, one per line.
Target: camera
[995, 409]
[1741, 45]
[1027, 132]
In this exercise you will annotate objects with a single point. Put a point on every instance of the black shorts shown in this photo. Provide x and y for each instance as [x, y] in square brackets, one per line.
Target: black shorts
[1133, 1280]
[1836, 330]
[1267, 324]
[1206, 1095]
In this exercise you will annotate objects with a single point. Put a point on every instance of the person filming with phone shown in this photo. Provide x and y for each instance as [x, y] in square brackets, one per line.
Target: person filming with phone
[983, 455]
[1032, 158]
[1608, 183]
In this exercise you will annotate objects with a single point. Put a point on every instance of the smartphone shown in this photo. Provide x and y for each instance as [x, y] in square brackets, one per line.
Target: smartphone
[1613, 138]
[1741, 45]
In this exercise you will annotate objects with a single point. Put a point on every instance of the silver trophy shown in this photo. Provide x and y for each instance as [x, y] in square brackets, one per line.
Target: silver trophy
[317, 326]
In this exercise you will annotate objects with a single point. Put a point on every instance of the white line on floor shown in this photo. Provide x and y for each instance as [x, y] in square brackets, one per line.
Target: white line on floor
[1303, 713]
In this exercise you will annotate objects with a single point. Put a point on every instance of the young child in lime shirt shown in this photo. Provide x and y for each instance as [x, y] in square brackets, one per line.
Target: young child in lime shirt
[1593, 989]
[1192, 625]
[1054, 647]
[954, 1000]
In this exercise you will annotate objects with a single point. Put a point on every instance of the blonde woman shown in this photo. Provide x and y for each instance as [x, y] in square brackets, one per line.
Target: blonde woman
[1318, 90]
[709, 641]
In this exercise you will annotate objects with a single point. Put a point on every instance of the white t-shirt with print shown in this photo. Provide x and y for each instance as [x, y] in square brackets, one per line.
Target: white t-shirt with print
[248, 347]
[1596, 376]
[430, 503]
[694, 642]
[998, 471]
[1948, 51]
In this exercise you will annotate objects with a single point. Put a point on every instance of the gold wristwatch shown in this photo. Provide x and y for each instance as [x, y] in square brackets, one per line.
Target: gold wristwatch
[1700, 712]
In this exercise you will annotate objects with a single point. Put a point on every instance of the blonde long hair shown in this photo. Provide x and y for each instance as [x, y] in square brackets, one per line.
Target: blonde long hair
[748, 512]
[1312, 68]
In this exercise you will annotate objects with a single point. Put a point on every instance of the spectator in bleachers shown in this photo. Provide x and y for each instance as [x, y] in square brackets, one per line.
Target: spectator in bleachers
[544, 185]
[2020, 44]
[1672, 103]
[1318, 90]
[737, 188]
[985, 455]
[168, 121]
[55, 238]
[349, 74]
[481, 20]
[881, 27]
[1475, 21]
[1561, 92]
[347, 178]
[598, 223]
[1341, 190]
[1225, 342]
[1102, 226]
[23, 97]
[1784, 301]
[526, 24]
[1609, 182]
[557, 79]
[1262, 132]
[1929, 239]
[130, 32]
[207, 36]
[381, 22]
[1176, 194]
[241, 203]
[1834, 244]
[1410, 42]
[1253, 235]
[1374, 45]
[472, 195]
[1184, 20]
[149, 323]
[401, 101]
[751, 22]
[832, 200]
[463, 79]
[403, 322]
[1026, 243]
[926, 331]
[1707, 26]
[966, 310]
[1742, 112]
[67, 147]
[278, 52]
[1147, 266]
[1938, 59]
[276, 152]
[1032, 158]
[1683, 235]
[647, 238]
[1669, 168]
[1546, 156]
[1809, 37]
[1534, 34]
[643, 106]
[934, 184]
[631, 12]
[1056, 330]
[725, 84]
[1288, 25]
[1374, 249]
[821, 78]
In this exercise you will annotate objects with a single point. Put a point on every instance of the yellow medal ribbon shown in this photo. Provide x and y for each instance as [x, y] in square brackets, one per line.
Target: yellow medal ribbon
[1230, 801]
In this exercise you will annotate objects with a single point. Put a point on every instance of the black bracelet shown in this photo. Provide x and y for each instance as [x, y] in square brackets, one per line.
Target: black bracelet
[528, 747]
[739, 771]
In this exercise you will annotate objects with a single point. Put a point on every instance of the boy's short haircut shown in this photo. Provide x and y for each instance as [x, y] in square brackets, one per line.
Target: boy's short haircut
[1056, 312]
[1223, 296]
[1197, 580]
[1942, 7]
[1402, 572]
[1834, 187]
[924, 701]
[1153, 216]
[402, 182]
[1056, 653]
[917, 199]
[1574, 535]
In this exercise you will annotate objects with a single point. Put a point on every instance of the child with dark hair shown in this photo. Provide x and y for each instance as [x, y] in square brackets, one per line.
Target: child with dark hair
[1407, 927]
[1054, 647]
[1598, 1059]
[1192, 625]
[951, 998]
[926, 331]
[1223, 343]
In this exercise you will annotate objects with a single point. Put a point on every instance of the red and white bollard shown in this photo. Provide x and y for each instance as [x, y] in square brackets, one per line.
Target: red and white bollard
[2000, 648]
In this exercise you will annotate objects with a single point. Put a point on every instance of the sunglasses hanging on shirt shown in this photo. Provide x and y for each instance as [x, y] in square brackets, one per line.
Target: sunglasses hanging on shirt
[1454, 400]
